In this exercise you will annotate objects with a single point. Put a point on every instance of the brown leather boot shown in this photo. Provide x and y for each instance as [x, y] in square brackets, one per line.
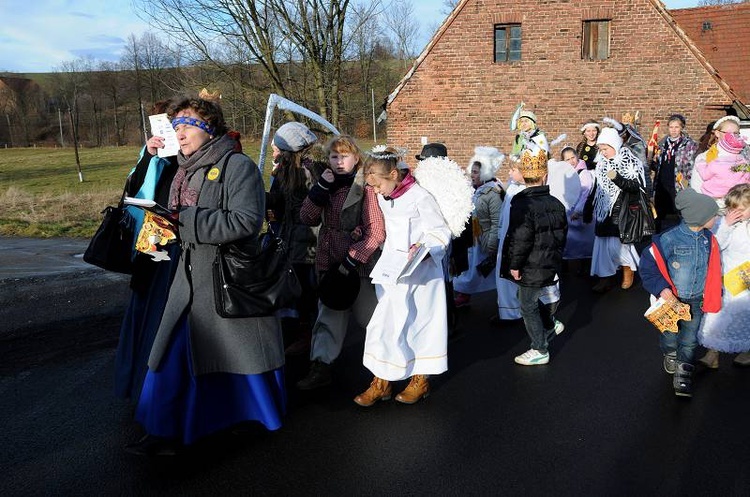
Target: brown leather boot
[379, 390]
[627, 277]
[417, 388]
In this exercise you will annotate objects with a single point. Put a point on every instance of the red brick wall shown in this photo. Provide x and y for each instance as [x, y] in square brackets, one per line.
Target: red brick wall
[726, 44]
[459, 96]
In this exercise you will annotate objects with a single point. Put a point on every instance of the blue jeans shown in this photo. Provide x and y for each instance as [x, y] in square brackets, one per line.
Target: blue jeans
[685, 340]
[537, 316]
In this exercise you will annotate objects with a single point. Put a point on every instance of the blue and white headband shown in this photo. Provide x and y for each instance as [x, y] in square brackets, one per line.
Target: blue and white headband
[191, 121]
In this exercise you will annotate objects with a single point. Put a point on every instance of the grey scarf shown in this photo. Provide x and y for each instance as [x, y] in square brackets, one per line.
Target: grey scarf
[182, 194]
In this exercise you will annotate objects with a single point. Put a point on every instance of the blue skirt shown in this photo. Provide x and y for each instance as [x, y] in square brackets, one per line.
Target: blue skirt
[139, 326]
[177, 404]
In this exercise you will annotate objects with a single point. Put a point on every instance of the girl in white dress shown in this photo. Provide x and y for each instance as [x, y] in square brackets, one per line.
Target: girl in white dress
[407, 336]
[729, 329]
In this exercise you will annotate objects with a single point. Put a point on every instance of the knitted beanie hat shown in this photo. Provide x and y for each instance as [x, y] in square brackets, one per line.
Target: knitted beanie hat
[610, 136]
[731, 143]
[696, 209]
[293, 137]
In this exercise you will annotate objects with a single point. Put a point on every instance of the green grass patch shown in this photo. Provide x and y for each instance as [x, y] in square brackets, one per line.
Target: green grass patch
[41, 196]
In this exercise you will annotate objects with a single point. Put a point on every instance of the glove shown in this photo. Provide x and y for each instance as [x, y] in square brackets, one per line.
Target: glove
[320, 193]
[348, 266]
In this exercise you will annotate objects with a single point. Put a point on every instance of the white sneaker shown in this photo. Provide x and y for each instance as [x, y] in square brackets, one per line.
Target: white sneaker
[559, 327]
[532, 357]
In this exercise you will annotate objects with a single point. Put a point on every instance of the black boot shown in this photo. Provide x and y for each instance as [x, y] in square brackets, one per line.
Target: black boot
[683, 381]
[319, 376]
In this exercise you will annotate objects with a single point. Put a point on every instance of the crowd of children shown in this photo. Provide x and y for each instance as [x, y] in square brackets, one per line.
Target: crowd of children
[370, 240]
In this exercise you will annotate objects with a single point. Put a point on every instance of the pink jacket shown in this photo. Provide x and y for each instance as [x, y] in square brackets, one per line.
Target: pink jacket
[717, 174]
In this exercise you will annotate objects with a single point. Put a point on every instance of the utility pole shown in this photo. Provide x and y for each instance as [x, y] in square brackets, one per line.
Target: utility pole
[10, 129]
[75, 143]
[59, 120]
[374, 132]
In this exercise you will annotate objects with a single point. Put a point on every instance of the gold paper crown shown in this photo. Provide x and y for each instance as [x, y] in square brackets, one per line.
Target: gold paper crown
[207, 95]
[533, 165]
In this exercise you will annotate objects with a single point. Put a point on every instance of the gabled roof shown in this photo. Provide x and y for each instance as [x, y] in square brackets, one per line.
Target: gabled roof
[719, 32]
[657, 4]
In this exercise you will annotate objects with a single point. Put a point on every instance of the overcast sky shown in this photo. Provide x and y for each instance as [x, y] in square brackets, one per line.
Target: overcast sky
[39, 35]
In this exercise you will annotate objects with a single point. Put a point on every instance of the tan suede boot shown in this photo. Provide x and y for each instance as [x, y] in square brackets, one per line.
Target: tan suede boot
[711, 359]
[417, 388]
[627, 277]
[379, 390]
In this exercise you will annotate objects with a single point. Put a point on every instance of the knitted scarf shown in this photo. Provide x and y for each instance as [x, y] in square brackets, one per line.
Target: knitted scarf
[182, 194]
[402, 187]
[628, 166]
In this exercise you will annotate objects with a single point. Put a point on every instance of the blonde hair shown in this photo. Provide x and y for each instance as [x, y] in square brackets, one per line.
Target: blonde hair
[738, 196]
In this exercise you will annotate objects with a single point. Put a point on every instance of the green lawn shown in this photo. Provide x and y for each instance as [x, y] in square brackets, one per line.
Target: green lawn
[40, 195]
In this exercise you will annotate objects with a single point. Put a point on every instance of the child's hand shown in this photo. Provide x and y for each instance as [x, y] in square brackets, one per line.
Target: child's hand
[413, 250]
[516, 274]
[327, 176]
[667, 294]
[733, 216]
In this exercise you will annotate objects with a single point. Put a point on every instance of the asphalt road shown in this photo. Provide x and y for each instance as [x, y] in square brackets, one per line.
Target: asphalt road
[601, 419]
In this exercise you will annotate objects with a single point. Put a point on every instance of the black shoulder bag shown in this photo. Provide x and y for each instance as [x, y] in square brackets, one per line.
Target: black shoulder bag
[253, 277]
[111, 247]
[635, 220]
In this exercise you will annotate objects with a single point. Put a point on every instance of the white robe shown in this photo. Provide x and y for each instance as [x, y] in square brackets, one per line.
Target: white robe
[408, 332]
[508, 306]
[729, 329]
[472, 281]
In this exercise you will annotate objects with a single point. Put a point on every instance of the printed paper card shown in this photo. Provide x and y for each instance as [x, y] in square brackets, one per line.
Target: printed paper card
[664, 314]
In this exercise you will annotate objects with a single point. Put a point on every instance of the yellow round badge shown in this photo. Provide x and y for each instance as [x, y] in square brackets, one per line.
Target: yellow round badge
[213, 174]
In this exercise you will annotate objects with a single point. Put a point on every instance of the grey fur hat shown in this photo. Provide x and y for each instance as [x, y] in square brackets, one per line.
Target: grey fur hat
[490, 159]
[293, 137]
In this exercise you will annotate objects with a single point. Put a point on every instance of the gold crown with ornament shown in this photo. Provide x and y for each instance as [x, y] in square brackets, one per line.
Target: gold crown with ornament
[533, 163]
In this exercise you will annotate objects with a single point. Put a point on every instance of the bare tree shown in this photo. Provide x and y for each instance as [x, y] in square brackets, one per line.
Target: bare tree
[403, 27]
[448, 6]
[275, 34]
[71, 84]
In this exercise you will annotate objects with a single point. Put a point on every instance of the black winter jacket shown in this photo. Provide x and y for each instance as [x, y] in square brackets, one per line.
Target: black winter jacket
[536, 237]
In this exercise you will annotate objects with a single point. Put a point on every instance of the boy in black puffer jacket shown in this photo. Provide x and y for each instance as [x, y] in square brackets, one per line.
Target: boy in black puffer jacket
[532, 252]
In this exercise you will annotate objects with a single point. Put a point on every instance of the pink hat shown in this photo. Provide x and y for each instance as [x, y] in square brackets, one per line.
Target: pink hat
[731, 143]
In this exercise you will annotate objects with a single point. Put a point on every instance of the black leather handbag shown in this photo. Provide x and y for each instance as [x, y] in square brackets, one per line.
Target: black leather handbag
[635, 219]
[111, 247]
[254, 278]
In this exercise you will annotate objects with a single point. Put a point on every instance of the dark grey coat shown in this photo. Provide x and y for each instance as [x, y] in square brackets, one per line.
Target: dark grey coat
[238, 345]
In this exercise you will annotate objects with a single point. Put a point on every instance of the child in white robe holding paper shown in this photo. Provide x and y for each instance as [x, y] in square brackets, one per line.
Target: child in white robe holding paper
[729, 329]
[407, 336]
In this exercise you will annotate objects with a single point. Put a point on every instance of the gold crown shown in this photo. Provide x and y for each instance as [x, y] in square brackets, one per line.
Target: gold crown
[533, 165]
[207, 95]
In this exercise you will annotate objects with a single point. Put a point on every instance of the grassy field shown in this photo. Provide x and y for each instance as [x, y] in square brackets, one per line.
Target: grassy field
[40, 195]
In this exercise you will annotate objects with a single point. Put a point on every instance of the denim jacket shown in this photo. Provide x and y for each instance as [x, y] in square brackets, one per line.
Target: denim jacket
[685, 254]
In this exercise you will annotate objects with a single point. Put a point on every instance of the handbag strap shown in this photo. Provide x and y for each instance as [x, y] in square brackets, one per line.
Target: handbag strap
[121, 202]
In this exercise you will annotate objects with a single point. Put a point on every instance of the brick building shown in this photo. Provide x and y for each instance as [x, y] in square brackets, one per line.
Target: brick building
[566, 59]
[720, 33]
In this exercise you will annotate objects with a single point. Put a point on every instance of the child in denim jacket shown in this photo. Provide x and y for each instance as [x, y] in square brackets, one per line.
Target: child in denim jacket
[684, 263]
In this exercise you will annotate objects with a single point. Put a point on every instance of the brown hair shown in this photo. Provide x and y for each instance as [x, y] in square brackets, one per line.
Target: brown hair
[386, 160]
[208, 110]
[344, 144]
